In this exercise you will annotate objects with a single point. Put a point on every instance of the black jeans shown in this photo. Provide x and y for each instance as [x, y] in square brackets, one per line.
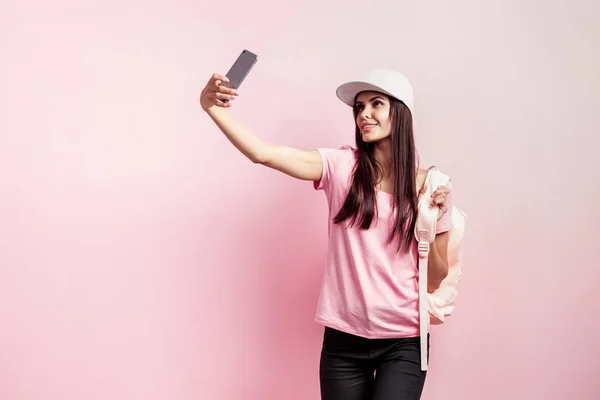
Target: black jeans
[356, 368]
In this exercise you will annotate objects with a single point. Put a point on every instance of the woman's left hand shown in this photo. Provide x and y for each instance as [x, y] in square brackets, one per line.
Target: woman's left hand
[438, 199]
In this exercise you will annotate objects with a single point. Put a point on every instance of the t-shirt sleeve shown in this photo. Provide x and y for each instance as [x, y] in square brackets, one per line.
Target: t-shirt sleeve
[444, 224]
[337, 163]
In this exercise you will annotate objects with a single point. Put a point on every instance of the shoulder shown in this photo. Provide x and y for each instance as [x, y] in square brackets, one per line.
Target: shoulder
[337, 165]
[421, 175]
[340, 153]
[343, 157]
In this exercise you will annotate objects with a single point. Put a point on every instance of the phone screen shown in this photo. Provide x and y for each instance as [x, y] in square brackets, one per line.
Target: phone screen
[238, 71]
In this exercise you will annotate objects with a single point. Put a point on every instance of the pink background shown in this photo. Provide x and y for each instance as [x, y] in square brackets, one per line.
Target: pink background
[142, 257]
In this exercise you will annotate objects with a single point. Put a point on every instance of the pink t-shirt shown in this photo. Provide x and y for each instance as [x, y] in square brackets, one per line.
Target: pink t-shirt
[369, 289]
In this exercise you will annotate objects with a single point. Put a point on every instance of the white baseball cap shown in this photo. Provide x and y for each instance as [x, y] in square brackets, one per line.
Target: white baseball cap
[388, 81]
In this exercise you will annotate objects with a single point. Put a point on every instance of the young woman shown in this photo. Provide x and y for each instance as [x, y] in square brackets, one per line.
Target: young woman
[369, 296]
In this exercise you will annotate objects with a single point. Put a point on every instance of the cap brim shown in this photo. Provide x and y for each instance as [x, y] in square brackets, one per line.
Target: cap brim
[348, 91]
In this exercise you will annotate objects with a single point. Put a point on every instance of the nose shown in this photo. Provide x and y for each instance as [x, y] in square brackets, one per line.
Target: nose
[365, 113]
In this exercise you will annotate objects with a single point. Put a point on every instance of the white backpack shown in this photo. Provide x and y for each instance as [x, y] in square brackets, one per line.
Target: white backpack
[435, 307]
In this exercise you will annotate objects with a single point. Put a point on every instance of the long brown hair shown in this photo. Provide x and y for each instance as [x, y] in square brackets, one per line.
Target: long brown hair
[360, 202]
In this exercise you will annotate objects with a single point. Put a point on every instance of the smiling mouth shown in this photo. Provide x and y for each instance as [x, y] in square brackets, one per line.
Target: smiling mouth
[367, 127]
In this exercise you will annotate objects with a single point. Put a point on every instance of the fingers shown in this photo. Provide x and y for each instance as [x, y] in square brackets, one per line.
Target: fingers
[225, 90]
[219, 99]
[220, 77]
[222, 96]
[220, 103]
[440, 190]
[439, 197]
[216, 83]
[216, 79]
[439, 200]
[216, 94]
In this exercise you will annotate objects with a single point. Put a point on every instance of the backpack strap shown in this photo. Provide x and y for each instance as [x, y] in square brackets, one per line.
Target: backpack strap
[425, 234]
[425, 230]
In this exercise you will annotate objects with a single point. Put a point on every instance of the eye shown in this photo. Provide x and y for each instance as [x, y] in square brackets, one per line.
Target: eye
[359, 107]
[377, 103]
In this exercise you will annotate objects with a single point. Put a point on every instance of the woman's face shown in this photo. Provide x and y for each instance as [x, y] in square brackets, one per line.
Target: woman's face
[373, 116]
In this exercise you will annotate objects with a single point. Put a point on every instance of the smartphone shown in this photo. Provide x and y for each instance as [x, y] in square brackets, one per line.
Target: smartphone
[240, 69]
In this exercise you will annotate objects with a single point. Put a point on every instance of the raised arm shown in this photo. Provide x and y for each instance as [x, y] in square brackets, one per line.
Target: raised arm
[301, 164]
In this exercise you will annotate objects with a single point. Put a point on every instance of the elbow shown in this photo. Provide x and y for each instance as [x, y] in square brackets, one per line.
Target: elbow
[434, 282]
[256, 157]
[433, 286]
[259, 157]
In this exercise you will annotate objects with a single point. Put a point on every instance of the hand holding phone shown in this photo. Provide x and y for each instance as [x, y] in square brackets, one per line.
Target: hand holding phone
[240, 69]
[221, 89]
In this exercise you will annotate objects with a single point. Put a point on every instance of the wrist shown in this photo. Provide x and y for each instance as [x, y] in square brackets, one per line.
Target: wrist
[214, 111]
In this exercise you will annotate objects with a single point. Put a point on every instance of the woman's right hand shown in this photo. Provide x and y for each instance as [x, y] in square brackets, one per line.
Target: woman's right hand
[214, 93]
